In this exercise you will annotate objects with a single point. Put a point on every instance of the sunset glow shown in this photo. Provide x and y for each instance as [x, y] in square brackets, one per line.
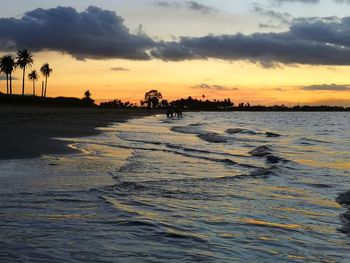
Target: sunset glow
[241, 79]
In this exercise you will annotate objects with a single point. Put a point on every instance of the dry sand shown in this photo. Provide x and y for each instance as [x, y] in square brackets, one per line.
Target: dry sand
[27, 132]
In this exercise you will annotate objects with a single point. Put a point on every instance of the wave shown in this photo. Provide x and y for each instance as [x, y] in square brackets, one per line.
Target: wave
[344, 200]
[185, 129]
[129, 223]
[240, 130]
[184, 153]
[266, 152]
[250, 132]
[182, 148]
[272, 134]
[307, 141]
[186, 149]
[212, 137]
[319, 185]
[268, 224]
[171, 233]
[182, 188]
[205, 136]
[261, 151]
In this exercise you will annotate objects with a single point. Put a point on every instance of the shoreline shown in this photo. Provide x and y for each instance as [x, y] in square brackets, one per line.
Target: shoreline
[29, 131]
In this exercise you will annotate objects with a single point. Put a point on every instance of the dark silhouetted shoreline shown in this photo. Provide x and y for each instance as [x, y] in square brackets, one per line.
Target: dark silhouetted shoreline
[192, 104]
[27, 131]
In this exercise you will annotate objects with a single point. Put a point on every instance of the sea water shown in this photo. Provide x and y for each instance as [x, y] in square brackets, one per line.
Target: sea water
[209, 187]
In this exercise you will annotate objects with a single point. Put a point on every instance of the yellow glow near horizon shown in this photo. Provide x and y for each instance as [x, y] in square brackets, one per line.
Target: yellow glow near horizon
[243, 81]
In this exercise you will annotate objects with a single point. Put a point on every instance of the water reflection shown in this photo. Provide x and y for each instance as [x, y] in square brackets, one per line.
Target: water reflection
[188, 190]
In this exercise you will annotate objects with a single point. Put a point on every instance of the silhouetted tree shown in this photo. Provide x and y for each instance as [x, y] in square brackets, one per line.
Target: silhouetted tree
[118, 104]
[7, 66]
[87, 97]
[24, 59]
[195, 104]
[152, 99]
[42, 88]
[164, 104]
[46, 72]
[33, 76]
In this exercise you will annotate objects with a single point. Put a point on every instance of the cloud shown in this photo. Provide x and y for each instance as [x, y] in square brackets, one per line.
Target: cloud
[169, 4]
[280, 89]
[200, 7]
[119, 69]
[191, 5]
[3, 78]
[204, 86]
[282, 18]
[101, 34]
[93, 33]
[342, 1]
[313, 42]
[327, 87]
[296, 1]
[332, 102]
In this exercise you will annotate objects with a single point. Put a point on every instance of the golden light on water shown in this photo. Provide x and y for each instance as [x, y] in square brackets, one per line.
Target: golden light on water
[270, 224]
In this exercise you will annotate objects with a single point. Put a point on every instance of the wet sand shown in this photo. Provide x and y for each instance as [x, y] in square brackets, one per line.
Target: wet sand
[28, 132]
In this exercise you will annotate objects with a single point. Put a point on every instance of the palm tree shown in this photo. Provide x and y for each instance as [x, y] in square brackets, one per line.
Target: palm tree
[46, 72]
[3, 70]
[24, 59]
[33, 76]
[7, 66]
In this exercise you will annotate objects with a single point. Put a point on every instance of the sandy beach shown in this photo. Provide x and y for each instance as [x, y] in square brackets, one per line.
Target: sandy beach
[27, 132]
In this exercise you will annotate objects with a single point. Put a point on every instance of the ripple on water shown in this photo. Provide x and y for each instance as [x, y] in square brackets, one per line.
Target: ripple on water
[216, 188]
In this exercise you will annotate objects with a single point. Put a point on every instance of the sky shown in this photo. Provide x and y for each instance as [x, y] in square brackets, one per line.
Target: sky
[262, 52]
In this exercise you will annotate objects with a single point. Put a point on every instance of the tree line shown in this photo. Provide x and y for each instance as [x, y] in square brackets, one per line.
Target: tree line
[23, 60]
[153, 99]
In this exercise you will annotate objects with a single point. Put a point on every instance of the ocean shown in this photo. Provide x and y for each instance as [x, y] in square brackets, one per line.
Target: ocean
[208, 187]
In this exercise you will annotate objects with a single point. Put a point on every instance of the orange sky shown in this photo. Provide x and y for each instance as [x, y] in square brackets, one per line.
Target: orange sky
[307, 32]
[241, 81]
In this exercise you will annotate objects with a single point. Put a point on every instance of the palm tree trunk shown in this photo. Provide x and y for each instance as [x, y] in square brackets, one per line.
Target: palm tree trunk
[7, 83]
[45, 86]
[42, 89]
[24, 72]
[33, 87]
[10, 84]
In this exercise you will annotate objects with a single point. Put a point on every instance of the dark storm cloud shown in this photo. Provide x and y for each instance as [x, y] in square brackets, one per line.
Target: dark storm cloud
[101, 34]
[315, 42]
[93, 33]
[192, 5]
[327, 87]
